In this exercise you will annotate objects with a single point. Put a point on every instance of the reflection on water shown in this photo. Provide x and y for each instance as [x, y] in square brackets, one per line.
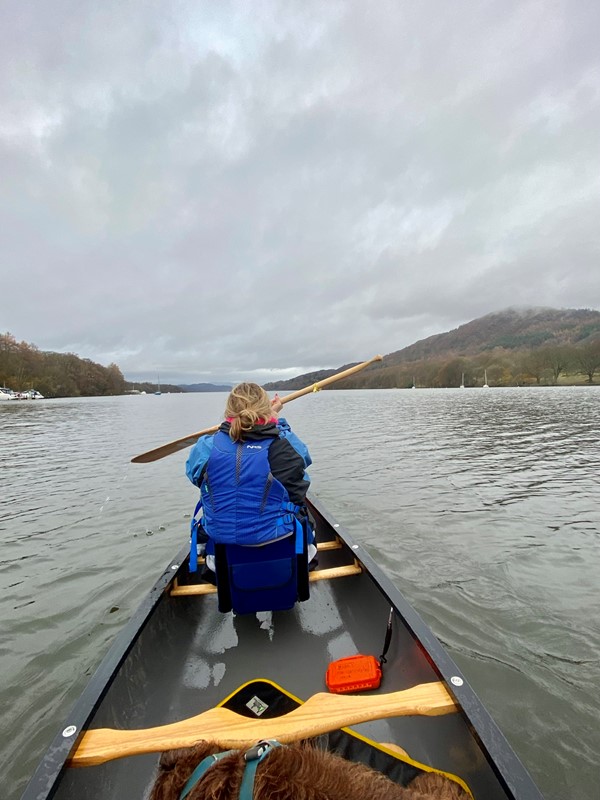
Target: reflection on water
[481, 506]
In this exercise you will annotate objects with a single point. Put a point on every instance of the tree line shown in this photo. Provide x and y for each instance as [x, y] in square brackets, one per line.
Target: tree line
[542, 366]
[23, 366]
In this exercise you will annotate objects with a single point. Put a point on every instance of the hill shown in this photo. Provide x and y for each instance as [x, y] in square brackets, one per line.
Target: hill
[510, 329]
[205, 387]
[515, 346]
[307, 378]
[23, 367]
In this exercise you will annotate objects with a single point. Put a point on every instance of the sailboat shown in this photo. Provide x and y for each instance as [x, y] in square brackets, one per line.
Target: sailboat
[414, 386]
[158, 391]
[462, 381]
[485, 383]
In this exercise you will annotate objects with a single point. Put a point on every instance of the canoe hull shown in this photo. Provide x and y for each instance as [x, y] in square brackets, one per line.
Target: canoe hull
[179, 656]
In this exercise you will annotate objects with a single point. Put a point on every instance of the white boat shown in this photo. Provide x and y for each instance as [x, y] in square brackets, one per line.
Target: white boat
[29, 394]
[158, 391]
[462, 381]
[485, 383]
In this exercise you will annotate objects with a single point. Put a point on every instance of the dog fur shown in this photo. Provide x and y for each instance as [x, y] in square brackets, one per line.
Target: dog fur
[295, 772]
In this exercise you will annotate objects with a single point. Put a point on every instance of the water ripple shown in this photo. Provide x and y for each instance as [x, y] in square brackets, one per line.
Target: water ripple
[480, 505]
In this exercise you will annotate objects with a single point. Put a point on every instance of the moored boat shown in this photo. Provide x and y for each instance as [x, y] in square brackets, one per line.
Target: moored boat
[30, 394]
[179, 656]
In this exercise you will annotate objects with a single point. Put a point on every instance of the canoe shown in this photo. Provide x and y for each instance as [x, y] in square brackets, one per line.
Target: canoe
[179, 657]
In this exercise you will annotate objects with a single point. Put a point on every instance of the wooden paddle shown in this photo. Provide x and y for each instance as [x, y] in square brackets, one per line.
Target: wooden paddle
[321, 713]
[188, 441]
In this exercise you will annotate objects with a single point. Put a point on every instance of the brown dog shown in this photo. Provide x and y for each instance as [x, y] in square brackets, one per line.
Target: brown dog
[294, 772]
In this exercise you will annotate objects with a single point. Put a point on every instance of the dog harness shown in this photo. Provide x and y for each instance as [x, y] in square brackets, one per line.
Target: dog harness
[252, 758]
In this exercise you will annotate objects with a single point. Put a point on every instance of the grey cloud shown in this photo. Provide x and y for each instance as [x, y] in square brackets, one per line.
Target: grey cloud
[224, 189]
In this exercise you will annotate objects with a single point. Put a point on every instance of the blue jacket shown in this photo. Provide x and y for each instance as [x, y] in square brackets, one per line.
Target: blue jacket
[252, 491]
[242, 502]
[288, 457]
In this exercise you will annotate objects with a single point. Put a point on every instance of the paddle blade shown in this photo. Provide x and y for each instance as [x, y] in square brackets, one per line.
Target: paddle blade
[172, 447]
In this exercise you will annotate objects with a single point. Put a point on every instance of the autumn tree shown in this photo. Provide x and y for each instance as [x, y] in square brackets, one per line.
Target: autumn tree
[557, 359]
[587, 357]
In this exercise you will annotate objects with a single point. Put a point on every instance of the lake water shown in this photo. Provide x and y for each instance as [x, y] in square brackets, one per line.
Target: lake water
[481, 505]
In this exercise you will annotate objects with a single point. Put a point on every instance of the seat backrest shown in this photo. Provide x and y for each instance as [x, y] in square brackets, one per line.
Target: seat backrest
[271, 577]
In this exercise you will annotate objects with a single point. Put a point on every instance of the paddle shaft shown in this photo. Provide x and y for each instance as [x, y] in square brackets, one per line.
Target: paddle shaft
[320, 714]
[187, 441]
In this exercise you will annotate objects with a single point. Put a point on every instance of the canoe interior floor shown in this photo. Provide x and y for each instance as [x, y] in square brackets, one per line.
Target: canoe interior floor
[189, 658]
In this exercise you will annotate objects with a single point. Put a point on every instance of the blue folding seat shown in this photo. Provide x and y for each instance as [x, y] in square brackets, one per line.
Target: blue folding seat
[270, 577]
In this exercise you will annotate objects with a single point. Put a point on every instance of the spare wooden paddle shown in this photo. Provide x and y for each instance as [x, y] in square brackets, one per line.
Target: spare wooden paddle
[188, 441]
[321, 713]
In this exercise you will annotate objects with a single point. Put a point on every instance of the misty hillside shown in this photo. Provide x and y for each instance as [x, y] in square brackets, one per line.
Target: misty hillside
[510, 329]
[205, 387]
[501, 340]
[306, 378]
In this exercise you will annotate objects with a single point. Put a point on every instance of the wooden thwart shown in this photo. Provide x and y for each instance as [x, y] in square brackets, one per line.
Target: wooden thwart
[320, 714]
[335, 572]
[333, 544]
[317, 575]
[192, 588]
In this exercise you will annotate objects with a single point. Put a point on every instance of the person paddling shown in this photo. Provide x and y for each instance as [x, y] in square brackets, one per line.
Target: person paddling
[251, 475]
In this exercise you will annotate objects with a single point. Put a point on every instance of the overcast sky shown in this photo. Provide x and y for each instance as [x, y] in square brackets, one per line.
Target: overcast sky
[226, 190]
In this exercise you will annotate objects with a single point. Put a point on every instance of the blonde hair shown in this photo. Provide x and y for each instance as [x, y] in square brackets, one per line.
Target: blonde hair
[246, 404]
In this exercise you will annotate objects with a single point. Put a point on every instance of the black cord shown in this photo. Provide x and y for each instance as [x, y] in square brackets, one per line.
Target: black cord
[388, 639]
